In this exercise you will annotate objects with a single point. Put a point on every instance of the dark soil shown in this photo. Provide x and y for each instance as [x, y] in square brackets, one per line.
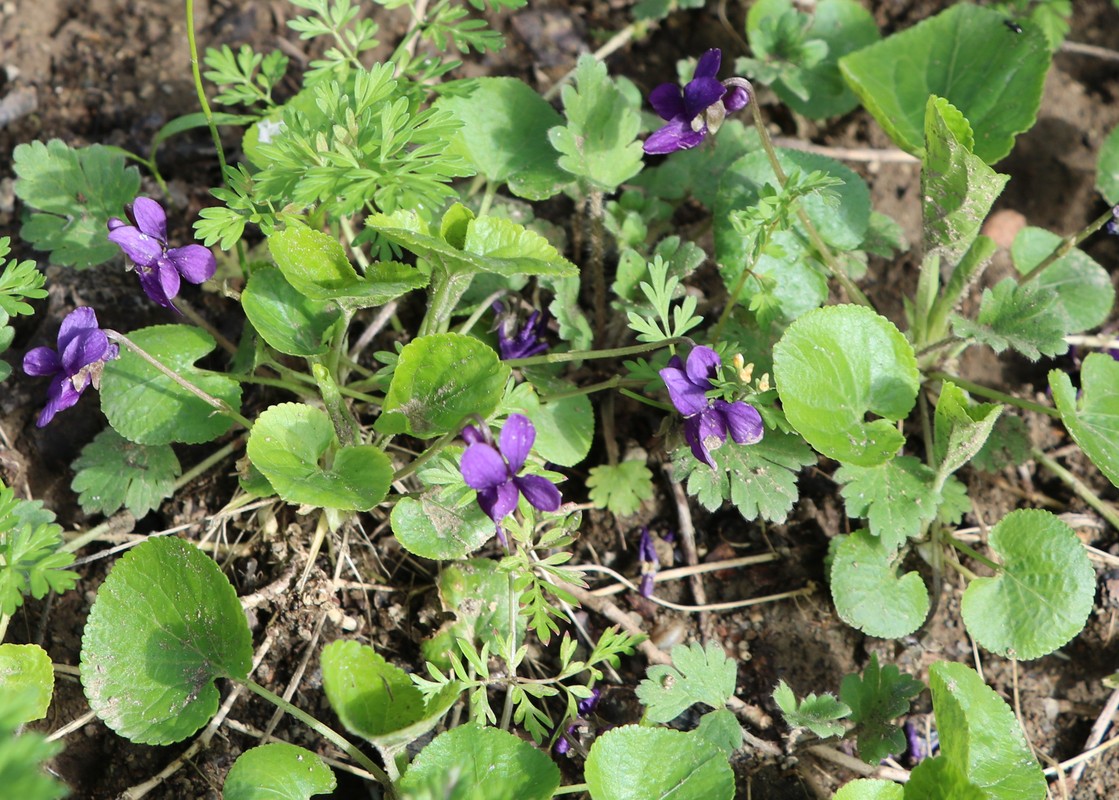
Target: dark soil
[114, 71]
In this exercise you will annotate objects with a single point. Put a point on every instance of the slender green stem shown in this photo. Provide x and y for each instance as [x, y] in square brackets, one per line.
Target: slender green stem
[574, 788]
[425, 456]
[947, 341]
[971, 551]
[325, 731]
[994, 394]
[487, 198]
[4, 620]
[514, 607]
[304, 391]
[589, 355]
[196, 72]
[643, 399]
[581, 390]
[1067, 244]
[219, 405]
[1106, 510]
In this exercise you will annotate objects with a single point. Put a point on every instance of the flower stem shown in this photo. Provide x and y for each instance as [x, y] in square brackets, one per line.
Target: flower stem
[574, 788]
[994, 394]
[219, 405]
[972, 552]
[1106, 510]
[1067, 244]
[588, 355]
[202, 101]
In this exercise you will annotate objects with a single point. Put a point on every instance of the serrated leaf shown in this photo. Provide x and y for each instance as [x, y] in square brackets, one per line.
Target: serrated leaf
[832, 367]
[165, 625]
[1041, 597]
[504, 135]
[980, 736]
[965, 55]
[868, 593]
[147, 407]
[759, 479]
[639, 763]
[1007, 446]
[474, 763]
[114, 473]
[878, 696]
[288, 444]
[598, 145]
[697, 675]
[278, 771]
[439, 382]
[819, 713]
[26, 669]
[620, 488]
[962, 427]
[1085, 295]
[895, 498]
[722, 729]
[30, 559]
[1093, 418]
[1023, 317]
[74, 193]
[957, 187]
[286, 318]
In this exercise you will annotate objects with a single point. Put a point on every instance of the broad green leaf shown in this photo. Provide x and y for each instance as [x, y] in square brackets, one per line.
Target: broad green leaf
[620, 488]
[786, 281]
[147, 407]
[697, 675]
[26, 669]
[165, 625]
[698, 172]
[377, 700]
[313, 262]
[439, 382]
[384, 281]
[962, 427]
[895, 498]
[638, 763]
[759, 479]
[285, 317]
[1041, 597]
[1007, 446]
[598, 145]
[1023, 317]
[940, 779]
[113, 472]
[819, 713]
[1107, 168]
[844, 26]
[832, 367]
[965, 55]
[868, 789]
[1093, 418]
[564, 427]
[980, 736]
[429, 527]
[295, 448]
[1085, 295]
[72, 193]
[278, 771]
[476, 592]
[876, 698]
[957, 187]
[868, 593]
[23, 761]
[504, 135]
[722, 729]
[474, 763]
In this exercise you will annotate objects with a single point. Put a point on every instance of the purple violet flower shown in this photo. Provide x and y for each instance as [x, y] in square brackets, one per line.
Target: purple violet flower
[1112, 226]
[697, 109]
[83, 349]
[493, 471]
[647, 556]
[707, 421]
[522, 343]
[159, 267]
[584, 708]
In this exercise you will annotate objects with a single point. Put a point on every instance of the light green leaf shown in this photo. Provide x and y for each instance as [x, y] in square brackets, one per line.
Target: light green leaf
[26, 669]
[439, 382]
[430, 527]
[940, 779]
[868, 593]
[868, 789]
[278, 771]
[72, 192]
[638, 763]
[722, 729]
[965, 55]
[564, 427]
[147, 407]
[1041, 597]
[1085, 295]
[285, 317]
[313, 262]
[1093, 419]
[980, 736]
[697, 675]
[476, 591]
[474, 763]
[1023, 317]
[876, 698]
[165, 625]
[819, 713]
[288, 444]
[1107, 168]
[113, 472]
[962, 427]
[23, 762]
[895, 497]
[832, 367]
[620, 488]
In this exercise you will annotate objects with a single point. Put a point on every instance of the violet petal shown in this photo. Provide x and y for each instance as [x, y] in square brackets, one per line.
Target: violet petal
[688, 398]
[83, 350]
[42, 361]
[62, 395]
[483, 467]
[742, 420]
[516, 441]
[194, 262]
[539, 491]
[736, 99]
[140, 248]
[667, 100]
[150, 218]
[703, 365]
[676, 135]
[505, 501]
[701, 93]
[692, 437]
[708, 64]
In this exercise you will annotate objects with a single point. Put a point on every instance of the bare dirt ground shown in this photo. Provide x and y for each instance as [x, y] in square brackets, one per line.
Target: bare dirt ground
[114, 71]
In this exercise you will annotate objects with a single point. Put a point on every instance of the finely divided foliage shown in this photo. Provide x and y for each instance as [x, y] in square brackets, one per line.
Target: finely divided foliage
[467, 431]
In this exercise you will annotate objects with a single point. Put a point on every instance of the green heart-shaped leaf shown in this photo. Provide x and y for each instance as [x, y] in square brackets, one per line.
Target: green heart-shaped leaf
[278, 771]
